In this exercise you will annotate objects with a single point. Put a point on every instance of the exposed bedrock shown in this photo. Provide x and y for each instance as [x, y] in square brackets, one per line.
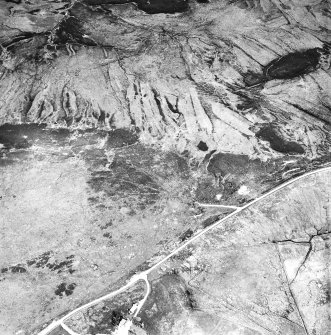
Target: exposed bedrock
[239, 78]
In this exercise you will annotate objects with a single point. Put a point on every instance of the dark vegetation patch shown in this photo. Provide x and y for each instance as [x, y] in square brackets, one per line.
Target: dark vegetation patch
[247, 102]
[26, 43]
[14, 269]
[251, 79]
[122, 180]
[87, 137]
[65, 289]
[16, 136]
[136, 174]
[61, 266]
[23, 136]
[230, 187]
[208, 155]
[186, 235]
[206, 190]
[71, 30]
[150, 6]
[326, 297]
[293, 65]
[140, 268]
[11, 157]
[190, 300]
[119, 138]
[173, 164]
[161, 6]
[126, 182]
[107, 235]
[224, 163]
[228, 172]
[182, 255]
[96, 158]
[153, 162]
[107, 225]
[277, 143]
[47, 261]
[202, 146]
[211, 220]
[290, 66]
[93, 200]
[14, 1]
[40, 261]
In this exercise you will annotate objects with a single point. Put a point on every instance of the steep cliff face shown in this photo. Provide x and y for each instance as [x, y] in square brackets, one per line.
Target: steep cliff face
[220, 72]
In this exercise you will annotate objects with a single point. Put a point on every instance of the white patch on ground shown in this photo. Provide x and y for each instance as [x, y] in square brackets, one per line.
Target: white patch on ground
[219, 196]
[123, 328]
[243, 190]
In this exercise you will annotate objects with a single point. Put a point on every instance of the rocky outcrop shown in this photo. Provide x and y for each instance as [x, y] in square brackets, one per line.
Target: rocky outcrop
[181, 72]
